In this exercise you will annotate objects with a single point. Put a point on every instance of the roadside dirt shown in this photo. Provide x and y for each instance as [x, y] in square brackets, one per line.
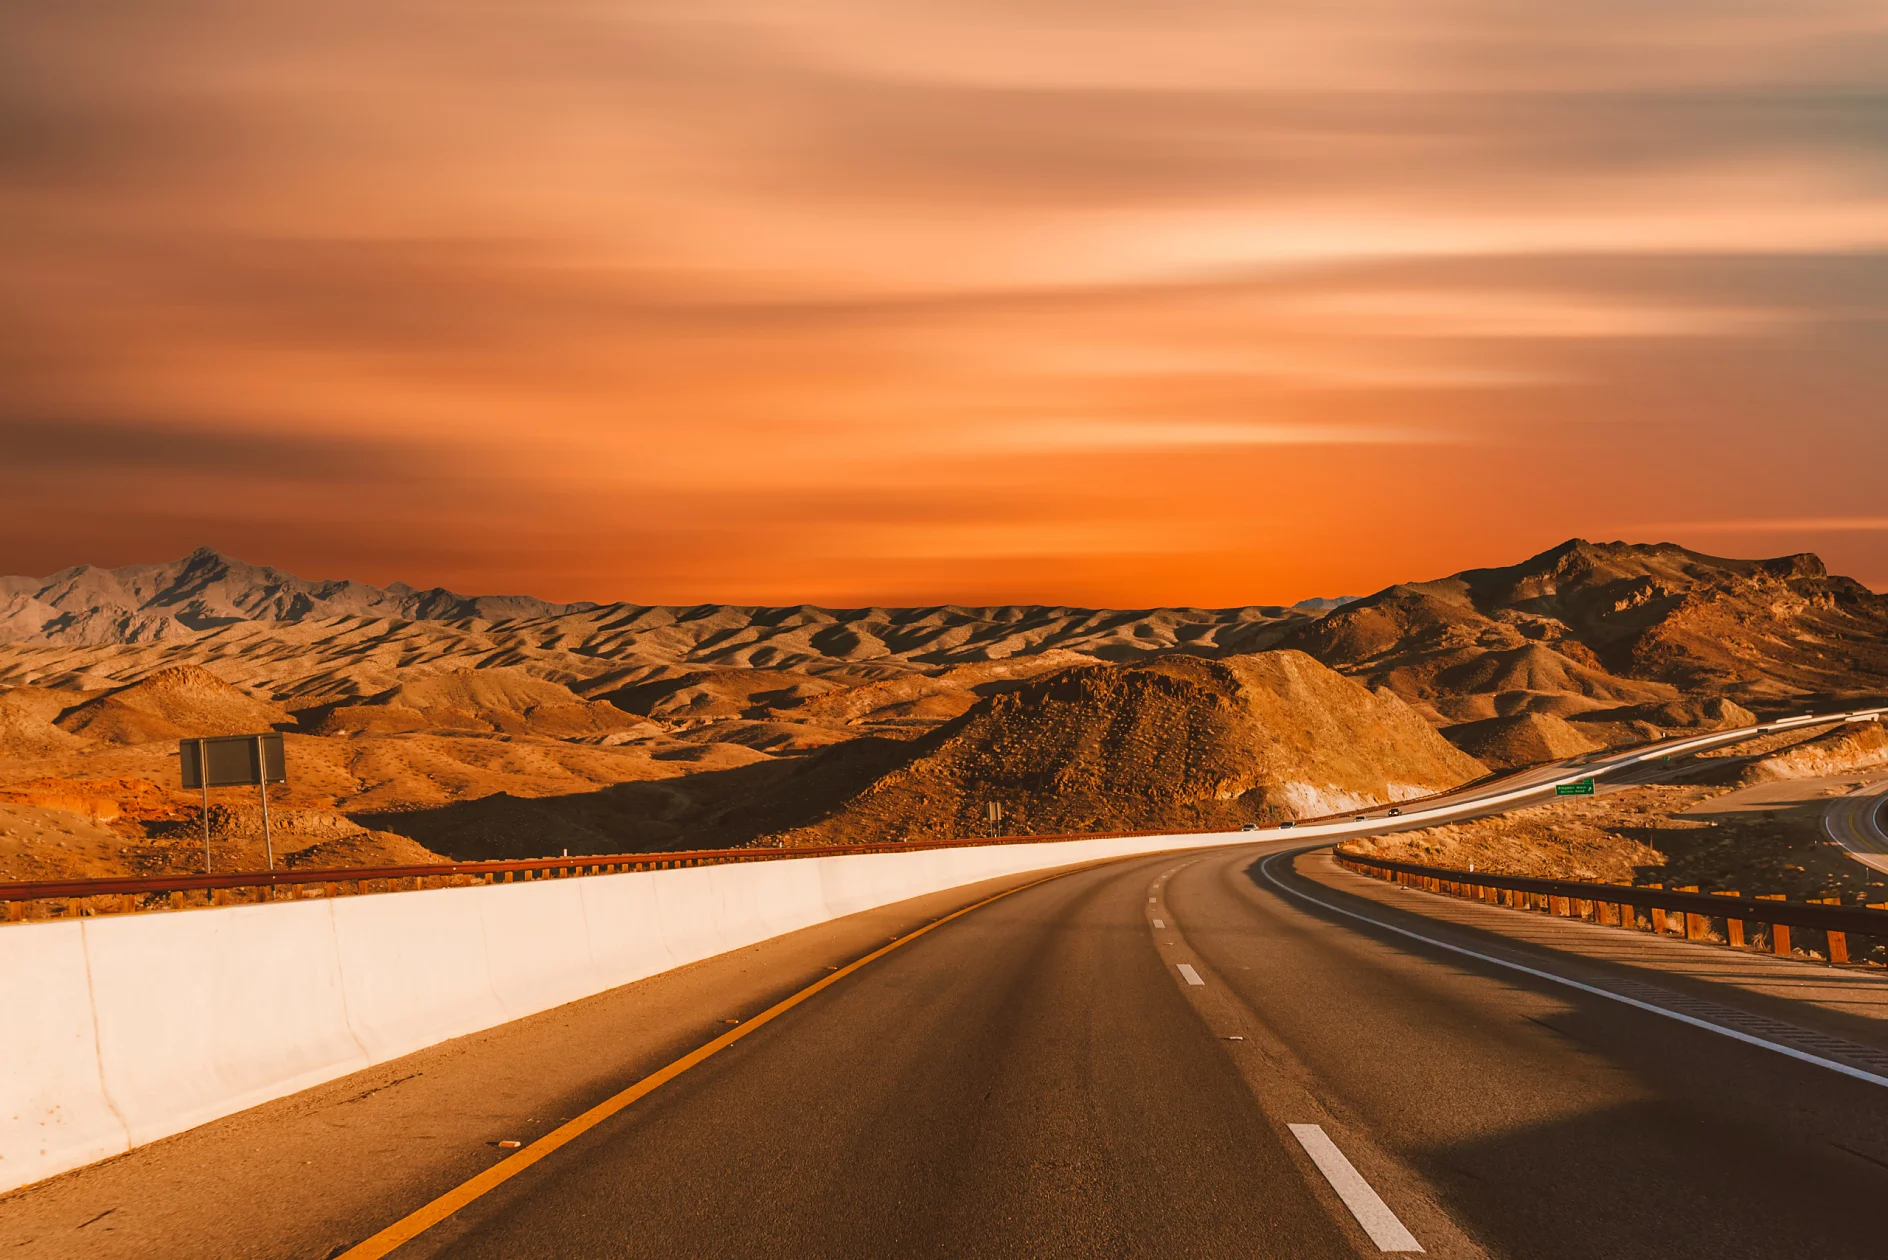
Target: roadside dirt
[1762, 839]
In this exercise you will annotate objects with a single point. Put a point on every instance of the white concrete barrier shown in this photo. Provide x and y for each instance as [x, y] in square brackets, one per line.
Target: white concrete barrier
[53, 1111]
[124, 1029]
[414, 967]
[625, 931]
[216, 1012]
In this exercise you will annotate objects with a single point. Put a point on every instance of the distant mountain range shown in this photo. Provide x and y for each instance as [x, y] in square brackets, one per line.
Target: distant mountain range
[139, 603]
[1579, 631]
[143, 603]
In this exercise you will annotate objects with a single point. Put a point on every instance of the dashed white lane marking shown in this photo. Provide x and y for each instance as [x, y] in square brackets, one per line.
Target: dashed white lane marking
[1161, 924]
[1265, 869]
[1371, 1211]
[1193, 977]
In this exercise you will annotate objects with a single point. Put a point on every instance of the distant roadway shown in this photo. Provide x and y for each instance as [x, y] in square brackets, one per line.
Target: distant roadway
[1859, 823]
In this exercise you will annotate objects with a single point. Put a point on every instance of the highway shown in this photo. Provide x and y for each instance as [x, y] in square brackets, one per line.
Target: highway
[1859, 823]
[1206, 1055]
[1043, 1077]
[1230, 1051]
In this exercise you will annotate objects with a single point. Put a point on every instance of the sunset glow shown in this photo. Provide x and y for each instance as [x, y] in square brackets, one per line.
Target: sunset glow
[911, 303]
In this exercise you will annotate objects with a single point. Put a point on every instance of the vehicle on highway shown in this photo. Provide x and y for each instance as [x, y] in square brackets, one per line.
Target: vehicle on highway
[1363, 818]
[1250, 827]
[1288, 824]
[1394, 813]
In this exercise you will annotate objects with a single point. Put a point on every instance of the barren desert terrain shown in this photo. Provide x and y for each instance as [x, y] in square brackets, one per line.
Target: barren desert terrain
[474, 726]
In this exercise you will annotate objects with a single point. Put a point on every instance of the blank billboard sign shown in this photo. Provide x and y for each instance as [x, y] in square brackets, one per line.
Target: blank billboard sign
[233, 760]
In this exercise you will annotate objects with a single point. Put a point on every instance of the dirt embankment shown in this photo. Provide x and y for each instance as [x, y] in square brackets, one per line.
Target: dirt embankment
[1856, 746]
[1675, 834]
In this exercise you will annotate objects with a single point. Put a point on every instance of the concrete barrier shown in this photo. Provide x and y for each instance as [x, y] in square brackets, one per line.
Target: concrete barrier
[54, 1113]
[124, 1029]
[626, 938]
[414, 967]
[215, 1012]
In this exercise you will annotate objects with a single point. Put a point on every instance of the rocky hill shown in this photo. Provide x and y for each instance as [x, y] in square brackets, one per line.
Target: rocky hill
[1182, 742]
[172, 704]
[1597, 626]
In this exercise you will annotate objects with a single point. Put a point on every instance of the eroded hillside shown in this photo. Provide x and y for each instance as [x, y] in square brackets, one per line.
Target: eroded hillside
[488, 725]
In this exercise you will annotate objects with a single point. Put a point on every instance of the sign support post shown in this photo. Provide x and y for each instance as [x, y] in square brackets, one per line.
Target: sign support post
[262, 786]
[234, 761]
[202, 765]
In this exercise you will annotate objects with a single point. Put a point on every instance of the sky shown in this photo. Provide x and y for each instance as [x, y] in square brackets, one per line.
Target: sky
[1100, 303]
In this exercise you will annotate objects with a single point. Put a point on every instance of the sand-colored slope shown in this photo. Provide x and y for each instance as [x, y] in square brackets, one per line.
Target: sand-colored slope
[181, 702]
[502, 698]
[1525, 739]
[28, 722]
[1182, 741]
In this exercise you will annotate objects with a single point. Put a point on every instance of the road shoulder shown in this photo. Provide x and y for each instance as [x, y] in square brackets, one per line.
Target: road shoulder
[1850, 1004]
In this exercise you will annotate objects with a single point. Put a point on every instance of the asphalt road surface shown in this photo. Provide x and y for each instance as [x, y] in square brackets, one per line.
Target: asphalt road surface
[1205, 1054]
[1859, 823]
[1044, 1077]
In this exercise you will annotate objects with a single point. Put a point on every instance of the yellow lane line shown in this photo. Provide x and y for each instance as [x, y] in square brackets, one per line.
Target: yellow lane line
[416, 1223]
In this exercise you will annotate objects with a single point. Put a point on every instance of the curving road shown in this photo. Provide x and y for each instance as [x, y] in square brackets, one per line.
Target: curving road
[1122, 1061]
[1213, 1055]
[1859, 823]
[1236, 1051]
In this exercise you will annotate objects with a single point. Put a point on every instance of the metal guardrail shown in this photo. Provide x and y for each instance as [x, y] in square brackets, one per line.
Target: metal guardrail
[480, 871]
[1617, 905]
[123, 894]
[174, 891]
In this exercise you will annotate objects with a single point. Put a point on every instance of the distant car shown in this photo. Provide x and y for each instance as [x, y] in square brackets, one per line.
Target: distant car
[1288, 824]
[1250, 827]
[1363, 818]
[1395, 812]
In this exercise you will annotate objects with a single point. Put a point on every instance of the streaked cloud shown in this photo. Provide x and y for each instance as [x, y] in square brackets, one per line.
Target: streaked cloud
[1776, 525]
[1119, 435]
[802, 302]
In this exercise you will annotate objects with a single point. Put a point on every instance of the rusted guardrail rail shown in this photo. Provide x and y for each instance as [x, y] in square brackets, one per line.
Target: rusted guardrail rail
[124, 894]
[1753, 922]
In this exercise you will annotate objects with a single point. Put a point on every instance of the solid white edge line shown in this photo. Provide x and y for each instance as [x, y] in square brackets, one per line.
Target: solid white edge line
[1365, 1204]
[1707, 1025]
[1192, 976]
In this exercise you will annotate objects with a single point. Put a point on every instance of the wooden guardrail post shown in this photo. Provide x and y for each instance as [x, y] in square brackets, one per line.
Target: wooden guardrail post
[1696, 925]
[1733, 928]
[1779, 932]
[1838, 941]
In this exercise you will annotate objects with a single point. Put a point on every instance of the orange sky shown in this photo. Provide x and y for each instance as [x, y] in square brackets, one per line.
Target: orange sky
[1123, 304]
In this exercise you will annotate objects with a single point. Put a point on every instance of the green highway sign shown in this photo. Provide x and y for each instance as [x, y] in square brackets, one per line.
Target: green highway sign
[1584, 787]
